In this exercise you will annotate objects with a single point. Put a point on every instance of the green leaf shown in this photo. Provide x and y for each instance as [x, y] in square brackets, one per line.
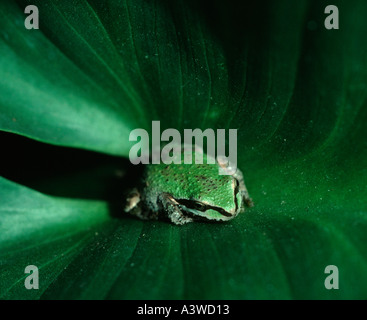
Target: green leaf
[48, 96]
[43, 231]
[295, 91]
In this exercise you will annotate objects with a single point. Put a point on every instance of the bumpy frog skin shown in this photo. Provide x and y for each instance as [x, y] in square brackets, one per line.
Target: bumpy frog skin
[188, 192]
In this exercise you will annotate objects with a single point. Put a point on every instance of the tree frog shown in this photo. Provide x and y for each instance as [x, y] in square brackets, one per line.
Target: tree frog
[188, 192]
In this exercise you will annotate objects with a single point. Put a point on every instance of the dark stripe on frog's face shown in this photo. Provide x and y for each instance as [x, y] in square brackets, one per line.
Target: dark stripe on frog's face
[236, 191]
[199, 206]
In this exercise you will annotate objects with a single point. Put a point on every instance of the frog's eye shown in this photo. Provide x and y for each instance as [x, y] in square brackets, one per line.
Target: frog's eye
[198, 206]
[237, 185]
[192, 204]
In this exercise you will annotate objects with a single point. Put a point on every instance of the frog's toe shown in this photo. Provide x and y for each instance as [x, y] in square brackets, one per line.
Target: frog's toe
[179, 218]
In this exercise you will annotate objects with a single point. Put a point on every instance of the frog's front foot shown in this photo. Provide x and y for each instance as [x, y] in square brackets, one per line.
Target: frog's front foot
[179, 218]
[170, 206]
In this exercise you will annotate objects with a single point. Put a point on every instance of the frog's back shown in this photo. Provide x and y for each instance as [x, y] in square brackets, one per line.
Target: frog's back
[185, 180]
[175, 179]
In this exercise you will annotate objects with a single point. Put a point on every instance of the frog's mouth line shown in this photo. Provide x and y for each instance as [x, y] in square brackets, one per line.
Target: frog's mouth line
[198, 206]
